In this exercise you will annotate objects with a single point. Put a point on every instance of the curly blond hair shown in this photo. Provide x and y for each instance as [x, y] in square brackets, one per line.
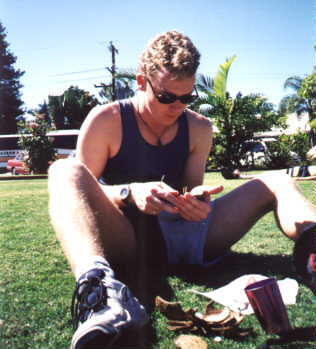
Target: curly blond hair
[173, 51]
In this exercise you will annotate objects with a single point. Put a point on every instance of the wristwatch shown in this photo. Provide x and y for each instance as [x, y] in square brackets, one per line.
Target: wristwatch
[126, 195]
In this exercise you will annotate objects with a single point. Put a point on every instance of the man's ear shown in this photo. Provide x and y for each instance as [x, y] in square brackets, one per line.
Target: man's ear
[141, 82]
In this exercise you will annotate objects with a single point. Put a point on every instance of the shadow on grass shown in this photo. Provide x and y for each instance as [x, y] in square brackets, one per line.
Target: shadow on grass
[235, 265]
[151, 282]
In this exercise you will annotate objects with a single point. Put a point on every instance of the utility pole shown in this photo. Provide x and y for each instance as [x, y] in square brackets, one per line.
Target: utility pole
[112, 70]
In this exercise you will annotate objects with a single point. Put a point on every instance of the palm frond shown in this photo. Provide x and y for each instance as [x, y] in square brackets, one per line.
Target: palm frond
[205, 104]
[128, 74]
[293, 82]
[205, 83]
[220, 81]
[293, 104]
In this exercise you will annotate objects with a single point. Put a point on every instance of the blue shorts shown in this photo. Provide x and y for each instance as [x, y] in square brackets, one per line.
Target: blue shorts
[185, 240]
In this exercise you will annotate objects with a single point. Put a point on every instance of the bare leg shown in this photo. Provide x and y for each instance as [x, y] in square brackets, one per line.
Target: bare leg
[236, 212]
[87, 223]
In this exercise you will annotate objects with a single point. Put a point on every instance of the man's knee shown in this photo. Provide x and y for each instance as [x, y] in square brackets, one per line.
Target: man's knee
[69, 173]
[65, 168]
[278, 181]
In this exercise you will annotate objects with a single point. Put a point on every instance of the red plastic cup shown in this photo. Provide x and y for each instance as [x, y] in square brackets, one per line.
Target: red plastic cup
[267, 303]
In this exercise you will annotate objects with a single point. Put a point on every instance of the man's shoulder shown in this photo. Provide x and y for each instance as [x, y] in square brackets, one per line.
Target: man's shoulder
[198, 120]
[103, 115]
[107, 111]
[201, 131]
[102, 118]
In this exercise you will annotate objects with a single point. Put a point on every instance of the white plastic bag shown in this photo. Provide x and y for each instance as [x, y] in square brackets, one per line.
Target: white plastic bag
[234, 297]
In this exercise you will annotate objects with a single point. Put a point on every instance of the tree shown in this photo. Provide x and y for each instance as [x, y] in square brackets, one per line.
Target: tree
[10, 102]
[69, 110]
[237, 119]
[77, 103]
[56, 111]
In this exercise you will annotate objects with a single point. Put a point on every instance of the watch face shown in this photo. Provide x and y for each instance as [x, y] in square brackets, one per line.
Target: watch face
[124, 193]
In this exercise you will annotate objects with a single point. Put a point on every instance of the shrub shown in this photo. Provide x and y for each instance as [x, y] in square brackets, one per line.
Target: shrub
[289, 150]
[279, 154]
[300, 145]
[39, 147]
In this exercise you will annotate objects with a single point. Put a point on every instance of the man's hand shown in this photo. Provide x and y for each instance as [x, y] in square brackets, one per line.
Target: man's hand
[154, 197]
[194, 205]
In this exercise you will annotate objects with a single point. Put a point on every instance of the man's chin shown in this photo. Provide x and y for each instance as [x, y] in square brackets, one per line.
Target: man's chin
[174, 114]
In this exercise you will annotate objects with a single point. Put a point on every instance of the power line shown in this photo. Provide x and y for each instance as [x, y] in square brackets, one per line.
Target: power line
[91, 78]
[79, 72]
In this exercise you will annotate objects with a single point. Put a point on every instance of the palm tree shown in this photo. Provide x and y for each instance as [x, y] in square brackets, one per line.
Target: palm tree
[294, 103]
[213, 92]
[297, 103]
[237, 119]
[215, 102]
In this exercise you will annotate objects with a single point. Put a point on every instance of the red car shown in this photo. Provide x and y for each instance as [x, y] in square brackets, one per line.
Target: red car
[17, 165]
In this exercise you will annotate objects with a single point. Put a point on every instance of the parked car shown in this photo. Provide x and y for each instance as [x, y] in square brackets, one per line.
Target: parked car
[17, 165]
[255, 153]
[72, 154]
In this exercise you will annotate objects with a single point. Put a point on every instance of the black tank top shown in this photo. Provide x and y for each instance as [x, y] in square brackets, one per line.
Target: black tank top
[139, 161]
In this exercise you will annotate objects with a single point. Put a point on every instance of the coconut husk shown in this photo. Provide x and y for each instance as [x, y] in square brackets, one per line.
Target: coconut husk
[214, 321]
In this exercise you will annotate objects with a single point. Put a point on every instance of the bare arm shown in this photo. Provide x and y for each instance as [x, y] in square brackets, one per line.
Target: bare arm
[96, 134]
[201, 137]
[99, 140]
[309, 178]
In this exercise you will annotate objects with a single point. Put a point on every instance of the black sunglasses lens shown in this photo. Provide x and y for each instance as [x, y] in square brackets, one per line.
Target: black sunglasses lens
[187, 99]
[166, 98]
[170, 98]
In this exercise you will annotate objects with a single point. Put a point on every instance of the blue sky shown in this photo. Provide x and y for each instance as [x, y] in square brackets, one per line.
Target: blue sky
[64, 42]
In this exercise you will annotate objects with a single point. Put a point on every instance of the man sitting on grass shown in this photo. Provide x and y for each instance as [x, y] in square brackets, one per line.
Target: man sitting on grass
[134, 196]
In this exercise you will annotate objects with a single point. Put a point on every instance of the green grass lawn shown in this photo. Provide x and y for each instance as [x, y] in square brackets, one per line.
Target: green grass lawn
[36, 284]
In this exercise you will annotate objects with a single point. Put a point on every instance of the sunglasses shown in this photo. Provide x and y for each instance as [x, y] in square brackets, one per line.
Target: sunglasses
[165, 97]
